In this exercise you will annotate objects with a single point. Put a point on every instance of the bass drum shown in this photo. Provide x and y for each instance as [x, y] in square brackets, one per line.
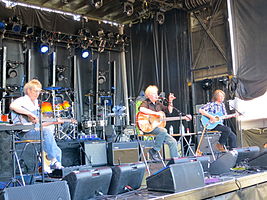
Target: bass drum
[47, 109]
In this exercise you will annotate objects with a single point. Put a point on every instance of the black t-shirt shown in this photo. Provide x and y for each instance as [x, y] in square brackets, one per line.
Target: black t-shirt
[158, 106]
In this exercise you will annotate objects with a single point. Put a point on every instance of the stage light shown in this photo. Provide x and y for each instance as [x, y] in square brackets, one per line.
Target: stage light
[44, 47]
[2, 26]
[16, 27]
[85, 53]
[97, 3]
[29, 30]
[128, 8]
[160, 17]
[207, 84]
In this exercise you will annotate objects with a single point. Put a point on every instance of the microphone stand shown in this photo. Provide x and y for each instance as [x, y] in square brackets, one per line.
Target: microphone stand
[41, 137]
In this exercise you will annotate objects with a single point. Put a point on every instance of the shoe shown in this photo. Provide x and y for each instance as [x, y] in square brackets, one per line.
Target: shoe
[220, 147]
[154, 155]
[56, 165]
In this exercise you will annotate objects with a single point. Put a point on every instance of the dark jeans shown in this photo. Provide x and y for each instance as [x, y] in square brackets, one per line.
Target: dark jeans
[226, 133]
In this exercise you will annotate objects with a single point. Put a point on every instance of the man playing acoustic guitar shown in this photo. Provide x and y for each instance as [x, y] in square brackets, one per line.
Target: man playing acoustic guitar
[152, 106]
[28, 107]
[213, 114]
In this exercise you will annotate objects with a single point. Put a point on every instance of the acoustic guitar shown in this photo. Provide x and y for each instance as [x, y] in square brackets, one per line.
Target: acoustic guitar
[219, 120]
[147, 122]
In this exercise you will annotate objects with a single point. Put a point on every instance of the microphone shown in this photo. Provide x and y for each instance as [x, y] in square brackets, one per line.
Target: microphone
[45, 92]
[162, 96]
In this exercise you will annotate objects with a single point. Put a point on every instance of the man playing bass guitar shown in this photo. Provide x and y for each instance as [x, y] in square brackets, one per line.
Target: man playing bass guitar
[152, 106]
[213, 114]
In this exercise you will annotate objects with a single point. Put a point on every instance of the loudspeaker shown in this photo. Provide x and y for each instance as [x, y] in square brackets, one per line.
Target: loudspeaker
[204, 160]
[211, 138]
[6, 156]
[89, 184]
[95, 153]
[259, 160]
[122, 152]
[71, 152]
[177, 178]
[42, 191]
[246, 153]
[223, 163]
[126, 177]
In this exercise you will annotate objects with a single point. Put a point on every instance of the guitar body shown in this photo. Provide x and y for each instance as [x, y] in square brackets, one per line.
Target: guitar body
[206, 121]
[147, 123]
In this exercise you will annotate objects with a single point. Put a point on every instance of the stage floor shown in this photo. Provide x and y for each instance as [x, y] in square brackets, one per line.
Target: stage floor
[227, 183]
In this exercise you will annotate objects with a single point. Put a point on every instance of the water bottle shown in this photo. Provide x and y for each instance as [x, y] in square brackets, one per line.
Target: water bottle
[171, 130]
[182, 130]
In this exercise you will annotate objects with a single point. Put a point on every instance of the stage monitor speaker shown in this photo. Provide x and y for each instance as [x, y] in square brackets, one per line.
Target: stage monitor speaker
[223, 163]
[211, 138]
[89, 184]
[246, 153]
[204, 160]
[6, 156]
[260, 160]
[177, 178]
[122, 152]
[42, 191]
[126, 177]
[95, 153]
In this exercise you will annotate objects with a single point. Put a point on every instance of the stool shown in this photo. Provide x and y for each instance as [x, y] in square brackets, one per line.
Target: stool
[36, 152]
[142, 149]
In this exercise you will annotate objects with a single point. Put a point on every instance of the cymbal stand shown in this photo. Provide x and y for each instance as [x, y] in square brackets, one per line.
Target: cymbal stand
[90, 114]
[15, 160]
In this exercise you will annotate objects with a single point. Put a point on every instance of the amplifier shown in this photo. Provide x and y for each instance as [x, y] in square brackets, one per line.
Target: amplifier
[95, 152]
[122, 152]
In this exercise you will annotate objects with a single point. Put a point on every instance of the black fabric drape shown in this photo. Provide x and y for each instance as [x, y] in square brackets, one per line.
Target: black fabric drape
[250, 27]
[160, 56]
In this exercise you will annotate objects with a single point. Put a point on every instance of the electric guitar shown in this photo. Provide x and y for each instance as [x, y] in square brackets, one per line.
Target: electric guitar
[147, 122]
[219, 120]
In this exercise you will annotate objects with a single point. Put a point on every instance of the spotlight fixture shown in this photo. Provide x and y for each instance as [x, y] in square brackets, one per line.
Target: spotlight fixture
[128, 8]
[29, 30]
[44, 47]
[85, 53]
[160, 17]
[2, 26]
[207, 84]
[16, 28]
[97, 3]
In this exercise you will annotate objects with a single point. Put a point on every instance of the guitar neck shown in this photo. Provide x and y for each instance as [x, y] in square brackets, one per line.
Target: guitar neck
[174, 118]
[228, 116]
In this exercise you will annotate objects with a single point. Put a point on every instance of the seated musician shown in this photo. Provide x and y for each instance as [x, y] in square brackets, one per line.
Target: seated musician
[217, 108]
[153, 106]
[27, 110]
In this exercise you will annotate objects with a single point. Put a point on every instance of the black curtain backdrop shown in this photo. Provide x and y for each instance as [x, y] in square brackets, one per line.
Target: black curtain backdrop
[250, 28]
[160, 56]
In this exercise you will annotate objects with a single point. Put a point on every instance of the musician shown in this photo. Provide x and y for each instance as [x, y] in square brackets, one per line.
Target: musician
[28, 106]
[153, 106]
[211, 110]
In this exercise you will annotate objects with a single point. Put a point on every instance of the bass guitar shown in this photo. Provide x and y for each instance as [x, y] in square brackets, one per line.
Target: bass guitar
[219, 120]
[147, 122]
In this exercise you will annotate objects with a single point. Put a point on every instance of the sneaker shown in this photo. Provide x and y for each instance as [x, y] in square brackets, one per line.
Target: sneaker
[56, 165]
[154, 154]
[220, 147]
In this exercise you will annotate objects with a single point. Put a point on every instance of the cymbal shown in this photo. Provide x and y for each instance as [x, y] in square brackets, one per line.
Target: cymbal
[11, 96]
[53, 88]
[89, 95]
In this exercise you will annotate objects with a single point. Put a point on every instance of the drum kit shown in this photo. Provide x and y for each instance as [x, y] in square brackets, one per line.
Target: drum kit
[58, 102]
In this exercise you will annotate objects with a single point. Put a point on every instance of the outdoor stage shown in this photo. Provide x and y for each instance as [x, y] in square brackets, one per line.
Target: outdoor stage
[234, 185]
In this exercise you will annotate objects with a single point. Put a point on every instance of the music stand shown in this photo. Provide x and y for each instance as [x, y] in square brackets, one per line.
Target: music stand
[15, 159]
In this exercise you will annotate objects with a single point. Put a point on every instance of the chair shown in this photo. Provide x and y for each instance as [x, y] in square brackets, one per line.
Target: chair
[25, 144]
